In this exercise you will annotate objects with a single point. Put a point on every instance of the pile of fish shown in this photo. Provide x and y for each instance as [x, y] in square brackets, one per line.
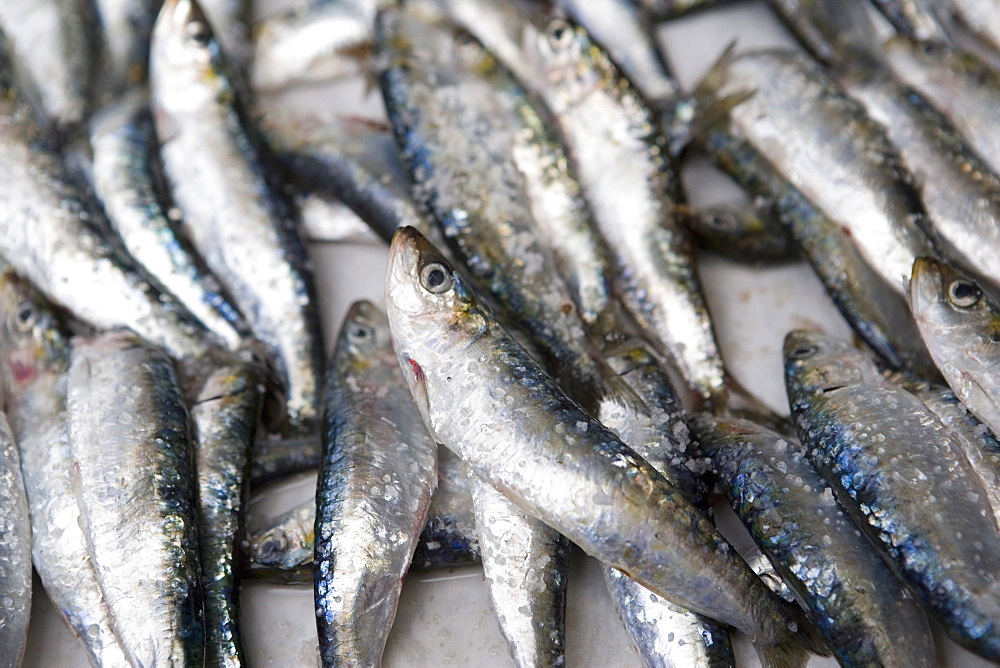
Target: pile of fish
[542, 371]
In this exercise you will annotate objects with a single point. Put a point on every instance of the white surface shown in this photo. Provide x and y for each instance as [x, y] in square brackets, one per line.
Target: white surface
[443, 618]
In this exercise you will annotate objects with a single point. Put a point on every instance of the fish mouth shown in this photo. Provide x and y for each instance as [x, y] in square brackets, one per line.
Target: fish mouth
[404, 257]
[925, 284]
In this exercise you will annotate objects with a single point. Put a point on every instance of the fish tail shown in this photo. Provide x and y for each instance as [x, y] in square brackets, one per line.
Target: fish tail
[793, 648]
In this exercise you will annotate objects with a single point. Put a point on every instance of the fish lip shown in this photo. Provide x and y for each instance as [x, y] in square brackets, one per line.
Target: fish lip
[404, 256]
[925, 281]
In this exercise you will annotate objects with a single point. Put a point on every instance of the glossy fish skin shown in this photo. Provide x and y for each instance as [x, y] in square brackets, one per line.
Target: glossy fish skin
[321, 41]
[223, 422]
[53, 235]
[620, 160]
[136, 487]
[624, 34]
[981, 17]
[282, 549]
[35, 359]
[352, 159]
[980, 445]
[914, 18]
[325, 219]
[873, 309]
[823, 143]
[15, 551]
[234, 217]
[126, 26]
[901, 476]
[58, 74]
[865, 613]
[516, 429]
[959, 190]
[665, 634]
[960, 85]
[835, 32]
[379, 471]
[743, 234]
[961, 326]
[123, 146]
[485, 167]
[526, 566]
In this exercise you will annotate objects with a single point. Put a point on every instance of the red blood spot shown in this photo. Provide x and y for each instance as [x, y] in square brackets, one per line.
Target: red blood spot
[22, 372]
[418, 373]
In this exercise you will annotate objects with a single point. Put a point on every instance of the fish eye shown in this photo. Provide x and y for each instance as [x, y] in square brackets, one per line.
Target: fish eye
[963, 293]
[803, 351]
[358, 332]
[436, 278]
[559, 34]
[25, 317]
[198, 32]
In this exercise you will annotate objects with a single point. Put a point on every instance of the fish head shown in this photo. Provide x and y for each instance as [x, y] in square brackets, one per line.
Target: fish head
[563, 55]
[955, 316]
[185, 57]
[432, 313]
[364, 340]
[34, 335]
[817, 363]
[923, 60]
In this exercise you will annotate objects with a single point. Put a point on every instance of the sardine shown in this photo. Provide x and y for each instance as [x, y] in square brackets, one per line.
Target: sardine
[326, 219]
[662, 10]
[35, 346]
[837, 33]
[126, 26]
[526, 566]
[914, 18]
[124, 180]
[223, 423]
[743, 234]
[482, 395]
[136, 489]
[15, 550]
[902, 477]
[232, 213]
[980, 17]
[485, 165]
[866, 614]
[961, 85]
[379, 470]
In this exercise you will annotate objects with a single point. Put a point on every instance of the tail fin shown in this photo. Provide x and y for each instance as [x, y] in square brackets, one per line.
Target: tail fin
[792, 650]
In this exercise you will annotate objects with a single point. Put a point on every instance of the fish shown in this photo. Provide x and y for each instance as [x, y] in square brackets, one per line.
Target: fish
[982, 19]
[126, 26]
[960, 191]
[379, 471]
[319, 41]
[665, 634]
[54, 235]
[960, 323]
[485, 166]
[34, 361]
[124, 180]
[741, 233]
[664, 10]
[874, 310]
[915, 19]
[482, 395]
[137, 493]
[15, 551]
[838, 33]
[960, 84]
[326, 219]
[781, 104]
[866, 614]
[233, 214]
[526, 566]
[57, 78]
[620, 159]
[224, 418]
[902, 477]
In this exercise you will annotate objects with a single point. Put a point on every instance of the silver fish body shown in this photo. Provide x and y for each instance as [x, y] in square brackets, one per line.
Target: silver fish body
[233, 215]
[482, 395]
[484, 164]
[128, 431]
[914, 18]
[526, 564]
[959, 84]
[960, 192]
[52, 233]
[126, 26]
[321, 41]
[961, 325]
[35, 361]
[837, 32]
[620, 160]
[743, 234]
[980, 17]
[378, 473]
[866, 614]
[122, 140]
[223, 423]
[326, 219]
[853, 175]
[902, 477]
[15, 551]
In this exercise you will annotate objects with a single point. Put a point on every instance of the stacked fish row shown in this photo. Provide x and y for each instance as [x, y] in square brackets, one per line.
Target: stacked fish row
[530, 335]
